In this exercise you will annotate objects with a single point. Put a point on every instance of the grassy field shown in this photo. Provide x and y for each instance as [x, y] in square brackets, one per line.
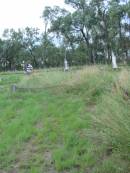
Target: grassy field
[73, 122]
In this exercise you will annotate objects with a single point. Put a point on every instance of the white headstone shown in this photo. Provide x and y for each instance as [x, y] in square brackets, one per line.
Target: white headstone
[66, 66]
[114, 64]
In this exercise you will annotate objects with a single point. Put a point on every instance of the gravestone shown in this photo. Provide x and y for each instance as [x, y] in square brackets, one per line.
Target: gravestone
[66, 66]
[29, 69]
[114, 64]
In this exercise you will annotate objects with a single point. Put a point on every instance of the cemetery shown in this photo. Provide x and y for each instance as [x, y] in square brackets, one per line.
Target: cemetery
[65, 86]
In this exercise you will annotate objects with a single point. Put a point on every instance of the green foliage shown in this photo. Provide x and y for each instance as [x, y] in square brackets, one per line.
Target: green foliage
[98, 24]
[89, 33]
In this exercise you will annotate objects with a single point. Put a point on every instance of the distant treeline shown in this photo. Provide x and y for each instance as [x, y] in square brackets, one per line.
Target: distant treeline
[87, 35]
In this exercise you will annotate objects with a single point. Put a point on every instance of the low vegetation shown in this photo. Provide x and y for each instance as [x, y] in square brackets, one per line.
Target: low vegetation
[78, 122]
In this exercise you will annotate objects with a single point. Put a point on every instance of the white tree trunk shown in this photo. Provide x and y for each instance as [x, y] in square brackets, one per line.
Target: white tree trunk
[114, 64]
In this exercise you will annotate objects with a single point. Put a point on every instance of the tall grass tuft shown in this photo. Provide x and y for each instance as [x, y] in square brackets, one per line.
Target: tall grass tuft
[111, 120]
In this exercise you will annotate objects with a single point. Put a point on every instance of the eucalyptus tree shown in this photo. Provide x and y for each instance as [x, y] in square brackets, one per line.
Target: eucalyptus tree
[12, 48]
[60, 23]
[115, 29]
[49, 55]
[79, 26]
[31, 38]
[126, 28]
[97, 23]
[2, 58]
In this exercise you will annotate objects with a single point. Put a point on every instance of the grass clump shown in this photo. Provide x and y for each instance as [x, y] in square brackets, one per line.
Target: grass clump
[111, 125]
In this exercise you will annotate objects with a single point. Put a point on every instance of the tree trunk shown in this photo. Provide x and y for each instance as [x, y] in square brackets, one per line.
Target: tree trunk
[90, 51]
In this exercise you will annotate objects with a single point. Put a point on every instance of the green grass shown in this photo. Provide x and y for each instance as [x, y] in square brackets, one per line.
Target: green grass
[79, 122]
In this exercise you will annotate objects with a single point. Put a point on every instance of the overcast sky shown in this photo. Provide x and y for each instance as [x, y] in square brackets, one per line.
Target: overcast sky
[21, 13]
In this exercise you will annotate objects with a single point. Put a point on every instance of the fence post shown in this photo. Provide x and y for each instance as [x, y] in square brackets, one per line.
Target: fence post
[13, 88]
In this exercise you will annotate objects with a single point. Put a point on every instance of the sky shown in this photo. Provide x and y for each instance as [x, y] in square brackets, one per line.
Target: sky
[22, 13]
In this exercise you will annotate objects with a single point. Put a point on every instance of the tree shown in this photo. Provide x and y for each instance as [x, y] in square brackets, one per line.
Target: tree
[31, 40]
[97, 23]
[12, 47]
